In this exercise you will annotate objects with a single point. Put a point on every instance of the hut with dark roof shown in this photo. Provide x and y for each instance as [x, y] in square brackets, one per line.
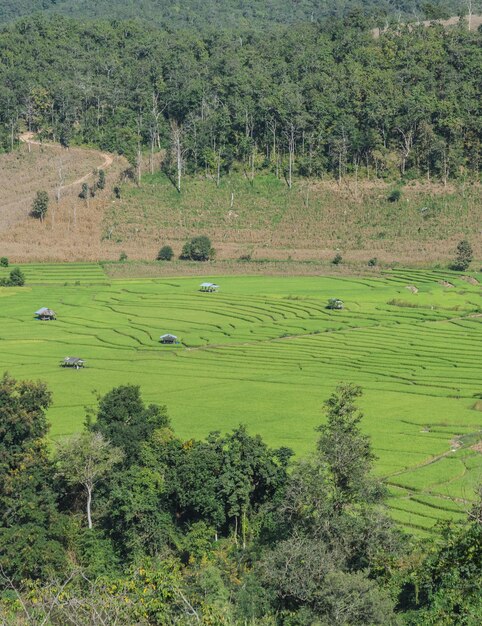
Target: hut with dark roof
[45, 314]
[168, 338]
[73, 361]
[208, 287]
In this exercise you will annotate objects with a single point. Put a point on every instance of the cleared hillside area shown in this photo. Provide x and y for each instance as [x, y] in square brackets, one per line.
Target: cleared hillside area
[259, 218]
[312, 221]
[71, 222]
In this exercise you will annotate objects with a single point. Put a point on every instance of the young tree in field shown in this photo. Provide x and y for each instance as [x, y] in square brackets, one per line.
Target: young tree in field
[16, 278]
[165, 254]
[101, 180]
[85, 460]
[84, 192]
[198, 249]
[40, 205]
[464, 256]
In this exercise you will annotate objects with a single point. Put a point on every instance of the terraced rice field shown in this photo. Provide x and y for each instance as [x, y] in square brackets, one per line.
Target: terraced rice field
[265, 352]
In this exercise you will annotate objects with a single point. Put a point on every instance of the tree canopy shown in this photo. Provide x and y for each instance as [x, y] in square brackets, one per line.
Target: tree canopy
[303, 99]
[221, 531]
[225, 13]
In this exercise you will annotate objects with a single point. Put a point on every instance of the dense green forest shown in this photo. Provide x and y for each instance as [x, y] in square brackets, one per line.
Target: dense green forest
[230, 13]
[125, 524]
[302, 100]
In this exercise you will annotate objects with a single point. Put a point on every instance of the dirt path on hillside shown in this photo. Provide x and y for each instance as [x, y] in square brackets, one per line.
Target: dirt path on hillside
[28, 138]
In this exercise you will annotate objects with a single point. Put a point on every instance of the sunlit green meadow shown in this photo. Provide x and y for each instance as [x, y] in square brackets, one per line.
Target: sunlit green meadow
[265, 351]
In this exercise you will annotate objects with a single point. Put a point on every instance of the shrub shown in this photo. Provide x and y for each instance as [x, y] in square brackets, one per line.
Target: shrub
[117, 192]
[3, 261]
[245, 257]
[337, 259]
[198, 249]
[464, 256]
[40, 205]
[123, 257]
[395, 195]
[372, 262]
[101, 180]
[16, 279]
[165, 253]
[84, 194]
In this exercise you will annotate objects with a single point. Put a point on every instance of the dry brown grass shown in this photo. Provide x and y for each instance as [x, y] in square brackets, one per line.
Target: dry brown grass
[311, 222]
[72, 228]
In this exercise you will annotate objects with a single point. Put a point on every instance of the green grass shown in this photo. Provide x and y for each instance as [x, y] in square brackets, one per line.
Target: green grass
[262, 218]
[265, 352]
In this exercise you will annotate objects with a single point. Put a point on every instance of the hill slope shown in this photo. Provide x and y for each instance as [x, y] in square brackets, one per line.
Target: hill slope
[261, 218]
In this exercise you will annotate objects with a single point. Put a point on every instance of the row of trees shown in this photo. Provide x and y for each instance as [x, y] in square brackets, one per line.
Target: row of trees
[126, 523]
[302, 100]
[231, 13]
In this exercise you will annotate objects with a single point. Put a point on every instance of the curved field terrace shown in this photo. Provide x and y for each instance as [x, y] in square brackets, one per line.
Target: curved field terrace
[266, 352]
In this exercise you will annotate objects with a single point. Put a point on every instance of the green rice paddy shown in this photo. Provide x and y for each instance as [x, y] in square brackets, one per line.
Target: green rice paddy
[265, 352]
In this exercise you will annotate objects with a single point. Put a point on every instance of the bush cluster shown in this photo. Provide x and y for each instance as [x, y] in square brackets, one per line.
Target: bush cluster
[15, 279]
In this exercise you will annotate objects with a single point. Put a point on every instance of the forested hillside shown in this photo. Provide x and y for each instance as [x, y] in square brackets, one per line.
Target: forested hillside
[231, 13]
[302, 100]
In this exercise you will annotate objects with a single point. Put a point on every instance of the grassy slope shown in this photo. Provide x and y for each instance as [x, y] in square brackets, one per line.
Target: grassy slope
[265, 352]
[311, 221]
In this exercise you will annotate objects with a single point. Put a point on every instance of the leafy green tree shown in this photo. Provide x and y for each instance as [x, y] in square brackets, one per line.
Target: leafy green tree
[444, 586]
[101, 180]
[198, 249]
[309, 582]
[343, 450]
[16, 278]
[251, 475]
[85, 460]
[334, 497]
[125, 421]
[138, 517]
[165, 253]
[84, 192]
[464, 256]
[3, 261]
[31, 528]
[40, 205]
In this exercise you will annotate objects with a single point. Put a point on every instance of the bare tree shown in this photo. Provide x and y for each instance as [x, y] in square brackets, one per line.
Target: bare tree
[177, 150]
[290, 133]
[85, 460]
[58, 188]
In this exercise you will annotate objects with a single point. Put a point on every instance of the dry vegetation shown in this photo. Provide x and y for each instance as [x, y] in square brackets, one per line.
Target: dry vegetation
[72, 229]
[473, 23]
[262, 219]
